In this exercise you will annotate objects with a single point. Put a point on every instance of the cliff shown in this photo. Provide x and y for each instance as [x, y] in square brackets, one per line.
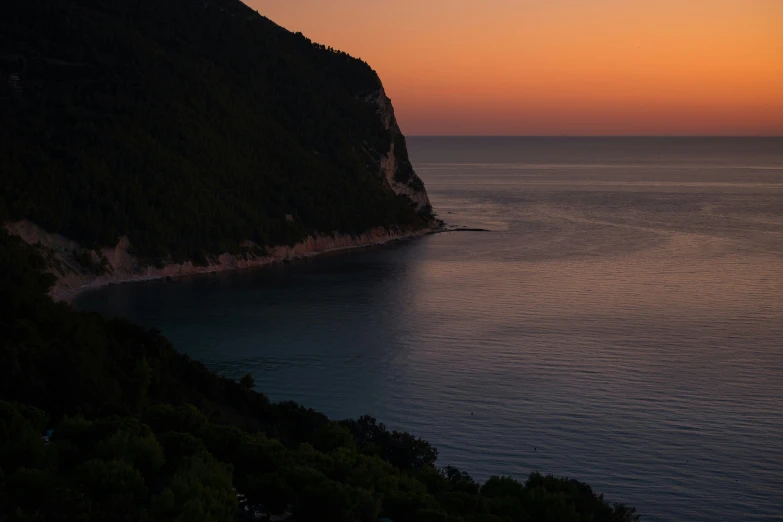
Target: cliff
[196, 134]
[77, 269]
[395, 165]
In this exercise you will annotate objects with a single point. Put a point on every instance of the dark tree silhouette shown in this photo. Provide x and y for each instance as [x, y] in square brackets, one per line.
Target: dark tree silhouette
[142, 432]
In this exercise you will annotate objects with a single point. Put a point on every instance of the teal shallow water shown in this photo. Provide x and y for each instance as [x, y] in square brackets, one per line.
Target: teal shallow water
[621, 324]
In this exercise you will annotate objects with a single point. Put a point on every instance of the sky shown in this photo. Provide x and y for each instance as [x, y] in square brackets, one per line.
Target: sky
[562, 67]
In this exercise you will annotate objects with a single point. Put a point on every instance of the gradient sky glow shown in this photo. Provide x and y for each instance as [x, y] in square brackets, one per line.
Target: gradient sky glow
[551, 67]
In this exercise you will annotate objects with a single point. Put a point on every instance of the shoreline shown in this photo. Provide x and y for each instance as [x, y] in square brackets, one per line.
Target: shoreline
[70, 294]
[74, 278]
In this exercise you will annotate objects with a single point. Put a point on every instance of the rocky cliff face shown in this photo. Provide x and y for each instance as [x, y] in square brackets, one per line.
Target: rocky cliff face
[78, 269]
[395, 165]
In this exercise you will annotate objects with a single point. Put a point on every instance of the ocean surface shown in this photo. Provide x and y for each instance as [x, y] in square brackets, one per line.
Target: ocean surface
[621, 323]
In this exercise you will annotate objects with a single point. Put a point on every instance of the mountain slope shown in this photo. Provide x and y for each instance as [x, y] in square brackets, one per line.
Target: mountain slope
[143, 433]
[192, 127]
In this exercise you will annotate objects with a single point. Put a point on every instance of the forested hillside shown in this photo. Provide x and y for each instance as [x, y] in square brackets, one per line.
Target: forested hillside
[190, 126]
[141, 432]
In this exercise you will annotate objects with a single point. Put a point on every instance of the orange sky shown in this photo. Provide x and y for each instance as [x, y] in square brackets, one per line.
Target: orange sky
[577, 67]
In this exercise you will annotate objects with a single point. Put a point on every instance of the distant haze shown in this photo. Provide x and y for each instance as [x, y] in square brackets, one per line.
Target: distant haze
[578, 67]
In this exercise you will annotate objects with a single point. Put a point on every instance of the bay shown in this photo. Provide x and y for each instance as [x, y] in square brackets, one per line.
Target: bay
[622, 323]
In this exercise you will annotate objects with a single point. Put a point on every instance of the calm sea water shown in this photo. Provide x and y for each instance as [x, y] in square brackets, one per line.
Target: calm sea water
[622, 323]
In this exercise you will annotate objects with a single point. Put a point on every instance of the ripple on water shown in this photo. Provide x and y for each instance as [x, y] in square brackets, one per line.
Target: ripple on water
[620, 325]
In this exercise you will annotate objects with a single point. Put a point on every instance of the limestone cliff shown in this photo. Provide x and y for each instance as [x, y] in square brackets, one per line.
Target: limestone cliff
[395, 165]
[78, 269]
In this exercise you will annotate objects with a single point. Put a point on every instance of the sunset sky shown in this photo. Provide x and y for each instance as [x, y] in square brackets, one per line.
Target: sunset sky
[552, 67]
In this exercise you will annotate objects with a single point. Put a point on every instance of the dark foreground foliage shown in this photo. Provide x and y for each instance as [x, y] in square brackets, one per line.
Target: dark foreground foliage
[142, 432]
[188, 125]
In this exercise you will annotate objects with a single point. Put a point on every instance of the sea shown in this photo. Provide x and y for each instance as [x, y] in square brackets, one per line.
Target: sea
[620, 322]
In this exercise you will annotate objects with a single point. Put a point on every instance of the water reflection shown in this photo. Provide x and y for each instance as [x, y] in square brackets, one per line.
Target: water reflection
[619, 325]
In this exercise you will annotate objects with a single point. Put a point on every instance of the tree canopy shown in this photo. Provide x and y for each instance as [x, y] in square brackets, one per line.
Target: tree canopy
[189, 126]
[142, 432]
[192, 126]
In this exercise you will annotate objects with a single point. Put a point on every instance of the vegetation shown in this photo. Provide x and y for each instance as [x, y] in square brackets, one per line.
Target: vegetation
[142, 432]
[190, 126]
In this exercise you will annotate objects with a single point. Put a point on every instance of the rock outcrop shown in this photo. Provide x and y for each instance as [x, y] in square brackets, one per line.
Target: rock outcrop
[395, 165]
[78, 269]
